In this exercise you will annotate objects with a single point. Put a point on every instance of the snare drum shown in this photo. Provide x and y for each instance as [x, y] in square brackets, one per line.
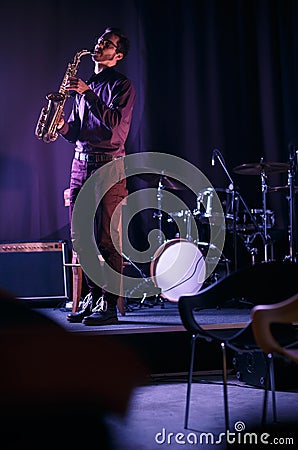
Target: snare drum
[180, 267]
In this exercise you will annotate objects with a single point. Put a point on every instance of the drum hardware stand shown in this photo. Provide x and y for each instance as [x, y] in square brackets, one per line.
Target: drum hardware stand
[159, 214]
[262, 169]
[144, 281]
[293, 151]
[267, 239]
[187, 217]
[248, 240]
[164, 182]
[159, 197]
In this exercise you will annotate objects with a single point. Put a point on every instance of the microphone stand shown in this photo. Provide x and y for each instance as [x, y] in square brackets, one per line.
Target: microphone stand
[236, 197]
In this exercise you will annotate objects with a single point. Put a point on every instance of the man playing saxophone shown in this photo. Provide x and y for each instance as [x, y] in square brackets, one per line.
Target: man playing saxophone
[98, 127]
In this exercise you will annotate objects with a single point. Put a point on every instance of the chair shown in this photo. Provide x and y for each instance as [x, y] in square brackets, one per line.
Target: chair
[264, 320]
[263, 283]
[77, 274]
[263, 316]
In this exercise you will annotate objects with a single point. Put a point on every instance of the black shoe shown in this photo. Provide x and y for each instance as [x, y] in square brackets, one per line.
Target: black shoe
[102, 314]
[86, 310]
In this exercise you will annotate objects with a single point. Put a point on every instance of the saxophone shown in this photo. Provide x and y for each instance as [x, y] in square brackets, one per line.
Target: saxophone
[50, 115]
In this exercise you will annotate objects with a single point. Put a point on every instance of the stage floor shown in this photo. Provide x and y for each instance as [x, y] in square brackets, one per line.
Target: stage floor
[159, 338]
[161, 317]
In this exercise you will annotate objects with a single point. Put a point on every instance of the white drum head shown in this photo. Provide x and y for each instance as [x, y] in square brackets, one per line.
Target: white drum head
[178, 268]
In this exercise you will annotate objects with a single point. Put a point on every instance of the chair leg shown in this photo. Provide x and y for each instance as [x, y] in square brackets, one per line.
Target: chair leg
[190, 373]
[225, 388]
[265, 402]
[270, 384]
[77, 280]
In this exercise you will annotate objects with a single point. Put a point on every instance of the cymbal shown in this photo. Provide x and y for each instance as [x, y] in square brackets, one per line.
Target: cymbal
[153, 179]
[285, 188]
[259, 168]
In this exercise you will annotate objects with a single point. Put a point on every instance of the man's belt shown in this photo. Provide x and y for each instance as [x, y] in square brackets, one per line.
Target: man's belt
[94, 157]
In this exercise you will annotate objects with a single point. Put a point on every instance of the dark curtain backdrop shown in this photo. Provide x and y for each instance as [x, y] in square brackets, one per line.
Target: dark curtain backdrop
[207, 74]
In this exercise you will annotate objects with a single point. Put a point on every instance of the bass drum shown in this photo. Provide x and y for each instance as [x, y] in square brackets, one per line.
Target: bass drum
[180, 267]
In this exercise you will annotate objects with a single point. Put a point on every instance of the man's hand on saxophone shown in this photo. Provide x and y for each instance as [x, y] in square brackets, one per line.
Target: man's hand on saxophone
[62, 126]
[74, 84]
[78, 85]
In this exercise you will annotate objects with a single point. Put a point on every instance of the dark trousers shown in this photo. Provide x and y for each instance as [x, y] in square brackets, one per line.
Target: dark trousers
[107, 232]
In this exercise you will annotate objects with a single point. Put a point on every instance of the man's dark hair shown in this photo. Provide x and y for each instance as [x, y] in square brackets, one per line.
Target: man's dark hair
[123, 43]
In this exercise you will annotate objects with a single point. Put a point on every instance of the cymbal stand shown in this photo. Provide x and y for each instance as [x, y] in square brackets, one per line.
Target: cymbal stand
[159, 196]
[267, 239]
[292, 203]
[187, 219]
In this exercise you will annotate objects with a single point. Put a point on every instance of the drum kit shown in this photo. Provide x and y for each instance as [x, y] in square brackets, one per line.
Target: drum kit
[182, 265]
[263, 219]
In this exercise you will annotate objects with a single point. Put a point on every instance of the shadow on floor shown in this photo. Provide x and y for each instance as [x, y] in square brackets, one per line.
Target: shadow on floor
[156, 417]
